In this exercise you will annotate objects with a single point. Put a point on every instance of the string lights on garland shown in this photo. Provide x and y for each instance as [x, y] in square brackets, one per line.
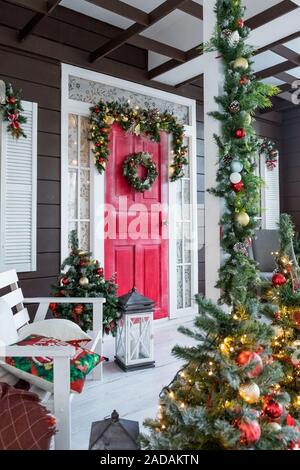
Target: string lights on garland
[149, 122]
[11, 109]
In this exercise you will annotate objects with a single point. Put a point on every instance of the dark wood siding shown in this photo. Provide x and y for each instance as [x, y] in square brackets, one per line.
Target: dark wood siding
[34, 66]
[290, 164]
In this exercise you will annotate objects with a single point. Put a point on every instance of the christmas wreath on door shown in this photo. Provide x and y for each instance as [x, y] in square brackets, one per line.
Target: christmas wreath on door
[130, 171]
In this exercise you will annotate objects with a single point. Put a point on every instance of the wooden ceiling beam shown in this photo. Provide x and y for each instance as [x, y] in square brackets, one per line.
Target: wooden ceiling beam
[123, 9]
[39, 6]
[171, 64]
[193, 9]
[286, 77]
[287, 53]
[271, 14]
[155, 46]
[275, 69]
[157, 14]
[278, 42]
[189, 80]
[37, 18]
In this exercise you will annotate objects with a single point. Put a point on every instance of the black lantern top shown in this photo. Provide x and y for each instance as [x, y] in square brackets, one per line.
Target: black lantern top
[134, 302]
[114, 434]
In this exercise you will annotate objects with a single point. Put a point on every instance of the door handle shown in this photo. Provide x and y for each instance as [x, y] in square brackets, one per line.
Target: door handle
[165, 223]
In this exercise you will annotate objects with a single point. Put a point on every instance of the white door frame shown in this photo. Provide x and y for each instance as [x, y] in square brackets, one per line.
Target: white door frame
[69, 106]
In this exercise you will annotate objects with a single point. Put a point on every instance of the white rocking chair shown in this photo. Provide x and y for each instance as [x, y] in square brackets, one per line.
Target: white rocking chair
[61, 355]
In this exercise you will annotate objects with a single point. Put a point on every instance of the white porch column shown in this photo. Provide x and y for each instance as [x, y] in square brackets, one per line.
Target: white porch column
[213, 80]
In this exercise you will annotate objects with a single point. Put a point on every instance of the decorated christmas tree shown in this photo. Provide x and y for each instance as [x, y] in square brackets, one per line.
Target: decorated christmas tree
[82, 276]
[284, 296]
[228, 394]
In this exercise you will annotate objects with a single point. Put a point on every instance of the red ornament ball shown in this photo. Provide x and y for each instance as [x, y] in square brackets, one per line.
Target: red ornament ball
[272, 408]
[240, 133]
[244, 81]
[240, 23]
[78, 309]
[250, 431]
[296, 318]
[65, 281]
[237, 187]
[290, 421]
[278, 279]
[100, 271]
[246, 358]
[53, 307]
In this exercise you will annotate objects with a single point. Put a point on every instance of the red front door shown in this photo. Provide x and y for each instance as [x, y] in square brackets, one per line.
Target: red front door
[136, 244]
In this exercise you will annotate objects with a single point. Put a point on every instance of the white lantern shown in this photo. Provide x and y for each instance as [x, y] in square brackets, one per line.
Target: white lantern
[134, 339]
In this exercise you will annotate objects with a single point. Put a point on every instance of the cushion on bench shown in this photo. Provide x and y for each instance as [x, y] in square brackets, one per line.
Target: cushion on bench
[39, 370]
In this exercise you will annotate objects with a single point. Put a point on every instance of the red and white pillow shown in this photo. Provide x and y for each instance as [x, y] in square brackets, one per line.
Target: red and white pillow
[39, 370]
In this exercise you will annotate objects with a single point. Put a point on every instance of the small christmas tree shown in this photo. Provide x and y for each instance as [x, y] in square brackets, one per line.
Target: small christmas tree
[82, 276]
[284, 295]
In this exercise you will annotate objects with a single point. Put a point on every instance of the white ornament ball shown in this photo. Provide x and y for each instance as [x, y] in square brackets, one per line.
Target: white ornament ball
[235, 178]
[249, 392]
[234, 38]
[274, 427]
[243, 219]
[236, 166]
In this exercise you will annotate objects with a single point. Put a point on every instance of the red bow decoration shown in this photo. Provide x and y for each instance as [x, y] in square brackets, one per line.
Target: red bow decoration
[14, 120]
[271, 164]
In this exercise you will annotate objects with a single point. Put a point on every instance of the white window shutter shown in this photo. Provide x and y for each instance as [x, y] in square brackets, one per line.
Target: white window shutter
[270, 196]
[18, 197]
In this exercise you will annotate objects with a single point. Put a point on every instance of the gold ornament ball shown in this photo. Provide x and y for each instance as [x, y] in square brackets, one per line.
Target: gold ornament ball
[83, 281]
[249, 392]
[109, 120]
[82, 253]
[241, 63]
[171, 170]
[242, 218]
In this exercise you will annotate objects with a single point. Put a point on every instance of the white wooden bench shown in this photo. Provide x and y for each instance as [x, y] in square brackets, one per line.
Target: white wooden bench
[61, 355]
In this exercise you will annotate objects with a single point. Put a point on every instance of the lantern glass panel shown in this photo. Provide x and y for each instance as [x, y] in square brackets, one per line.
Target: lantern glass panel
[121, 341]
[140, 337]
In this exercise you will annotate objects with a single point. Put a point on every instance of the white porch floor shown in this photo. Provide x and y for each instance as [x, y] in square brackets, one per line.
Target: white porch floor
[133, 394]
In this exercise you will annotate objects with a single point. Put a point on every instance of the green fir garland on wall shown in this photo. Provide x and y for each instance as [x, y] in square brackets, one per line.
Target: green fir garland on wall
[238, 148]
[269, 150]
[149, 122]
[11, 109]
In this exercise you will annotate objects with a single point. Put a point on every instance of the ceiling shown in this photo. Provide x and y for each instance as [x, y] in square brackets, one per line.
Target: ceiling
[176, 32]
